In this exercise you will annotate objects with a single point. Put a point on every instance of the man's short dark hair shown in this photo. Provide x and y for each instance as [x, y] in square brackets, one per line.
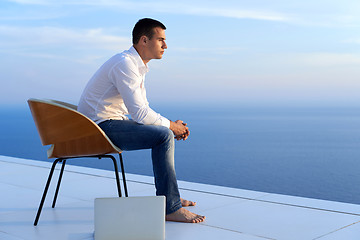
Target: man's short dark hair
[145, 27]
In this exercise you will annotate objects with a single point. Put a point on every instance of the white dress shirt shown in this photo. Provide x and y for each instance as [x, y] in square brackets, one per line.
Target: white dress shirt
[117, 89]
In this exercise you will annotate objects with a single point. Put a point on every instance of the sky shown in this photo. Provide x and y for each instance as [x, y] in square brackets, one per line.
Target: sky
[229, 52]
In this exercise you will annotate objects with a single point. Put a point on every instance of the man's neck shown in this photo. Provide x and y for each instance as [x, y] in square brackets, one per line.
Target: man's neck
[141, 54]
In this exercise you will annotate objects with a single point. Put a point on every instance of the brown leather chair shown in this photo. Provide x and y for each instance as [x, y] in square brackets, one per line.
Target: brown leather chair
[71, 135]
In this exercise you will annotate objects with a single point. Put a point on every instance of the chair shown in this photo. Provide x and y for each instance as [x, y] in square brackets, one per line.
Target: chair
[71, 135]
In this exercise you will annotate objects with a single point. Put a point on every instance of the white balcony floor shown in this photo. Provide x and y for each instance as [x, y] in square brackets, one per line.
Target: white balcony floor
[231, 213]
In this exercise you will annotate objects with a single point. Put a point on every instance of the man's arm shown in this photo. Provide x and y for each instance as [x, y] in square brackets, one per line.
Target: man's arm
[128, 81]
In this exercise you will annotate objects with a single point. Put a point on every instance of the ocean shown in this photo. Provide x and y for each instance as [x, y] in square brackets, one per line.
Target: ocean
[309, 152]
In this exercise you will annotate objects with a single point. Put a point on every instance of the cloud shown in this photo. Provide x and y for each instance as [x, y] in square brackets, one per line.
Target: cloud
[330, 59]
[12, 35]
[307, 61]
[61, 45]
[182, 8]
[352, 40]
[236, 13]
[56, 42]
[33, 2]
[322, 13]
[213, 50]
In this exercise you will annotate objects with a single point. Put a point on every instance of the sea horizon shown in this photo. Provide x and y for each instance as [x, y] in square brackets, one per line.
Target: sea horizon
[300, 151]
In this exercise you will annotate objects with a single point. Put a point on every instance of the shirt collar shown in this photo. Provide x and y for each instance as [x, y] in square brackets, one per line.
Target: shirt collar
[143, 68]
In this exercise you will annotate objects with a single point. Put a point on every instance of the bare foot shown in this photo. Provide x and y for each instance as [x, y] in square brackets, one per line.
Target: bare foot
[183, 215]
[186, 203]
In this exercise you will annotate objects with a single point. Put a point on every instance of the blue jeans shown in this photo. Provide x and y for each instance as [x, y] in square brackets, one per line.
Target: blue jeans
[129, 135]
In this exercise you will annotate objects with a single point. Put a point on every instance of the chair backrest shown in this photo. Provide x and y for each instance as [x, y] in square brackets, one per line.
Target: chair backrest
[65, 104]
[69, 132]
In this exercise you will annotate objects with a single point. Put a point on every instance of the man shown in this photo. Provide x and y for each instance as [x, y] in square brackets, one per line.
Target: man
[116, 90]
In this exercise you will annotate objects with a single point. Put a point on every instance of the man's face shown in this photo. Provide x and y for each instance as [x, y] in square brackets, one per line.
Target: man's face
[156, 45]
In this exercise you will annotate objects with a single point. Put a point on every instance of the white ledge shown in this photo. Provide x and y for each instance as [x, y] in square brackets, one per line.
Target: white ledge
[231, 213]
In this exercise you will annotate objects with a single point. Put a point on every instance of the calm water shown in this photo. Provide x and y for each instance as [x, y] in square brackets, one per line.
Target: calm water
[309, 152]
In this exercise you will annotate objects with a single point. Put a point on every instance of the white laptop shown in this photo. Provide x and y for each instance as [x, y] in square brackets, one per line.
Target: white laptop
[130, 218]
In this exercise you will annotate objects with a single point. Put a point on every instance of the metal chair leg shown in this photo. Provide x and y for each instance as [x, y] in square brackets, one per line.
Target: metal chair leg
[101, 156]
[63, 160]
[59, 181]
[116, 173]
[45, 191]
[123, 174]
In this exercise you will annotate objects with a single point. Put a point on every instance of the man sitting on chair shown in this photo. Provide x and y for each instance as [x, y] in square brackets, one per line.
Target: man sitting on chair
[117, 89]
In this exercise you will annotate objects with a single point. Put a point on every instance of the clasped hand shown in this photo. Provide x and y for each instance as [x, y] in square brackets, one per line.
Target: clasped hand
[180, 130]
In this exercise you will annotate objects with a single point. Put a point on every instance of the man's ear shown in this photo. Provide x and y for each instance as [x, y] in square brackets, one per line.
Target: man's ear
[144, 39]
